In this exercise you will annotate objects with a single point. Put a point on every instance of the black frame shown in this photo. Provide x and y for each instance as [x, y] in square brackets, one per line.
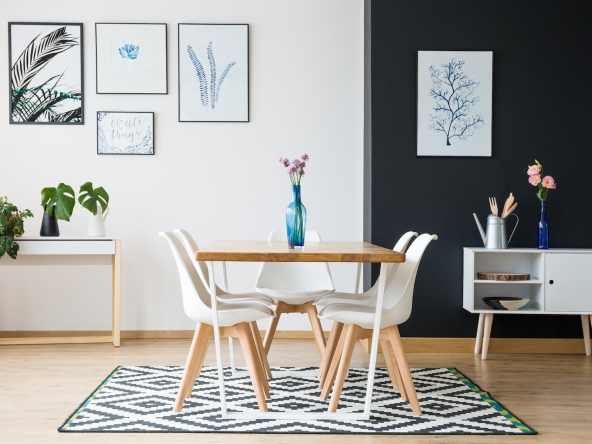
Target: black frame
[179, 73]
[10, 121]
[128, 154]
[166, 59]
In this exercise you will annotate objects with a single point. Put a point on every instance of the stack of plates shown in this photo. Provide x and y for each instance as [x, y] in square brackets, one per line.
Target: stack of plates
[505, 302]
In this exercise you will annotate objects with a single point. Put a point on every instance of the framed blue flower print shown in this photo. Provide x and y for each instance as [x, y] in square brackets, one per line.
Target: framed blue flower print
[131, 58]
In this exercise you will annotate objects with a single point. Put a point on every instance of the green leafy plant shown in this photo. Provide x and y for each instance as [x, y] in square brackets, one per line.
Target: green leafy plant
[11, 226]
[89, 197]
[62, 197]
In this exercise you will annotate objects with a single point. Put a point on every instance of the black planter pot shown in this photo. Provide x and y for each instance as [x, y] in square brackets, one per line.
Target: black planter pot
[49, 226]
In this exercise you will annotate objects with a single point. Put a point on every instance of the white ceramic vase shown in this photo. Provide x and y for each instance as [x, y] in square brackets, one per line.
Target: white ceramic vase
[96, 223]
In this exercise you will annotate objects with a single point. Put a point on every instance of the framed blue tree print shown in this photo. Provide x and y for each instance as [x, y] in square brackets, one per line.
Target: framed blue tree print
[454, 103]
[213, 73]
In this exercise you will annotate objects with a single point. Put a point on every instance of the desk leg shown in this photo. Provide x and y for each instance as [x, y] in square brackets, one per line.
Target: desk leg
[486, 334]
[586, 329]
[479, 338]
[116, 294]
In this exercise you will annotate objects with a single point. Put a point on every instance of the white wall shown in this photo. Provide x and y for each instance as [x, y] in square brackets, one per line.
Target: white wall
[217, 180]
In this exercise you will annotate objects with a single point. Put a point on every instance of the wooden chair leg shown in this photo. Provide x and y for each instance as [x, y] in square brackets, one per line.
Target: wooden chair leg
[317, 328]
[403, 365]
[486, 334]
[273, 323]
[197, 371]
[192, 361]
[330, 350]
[479, 337]
[250, 353]
[586, 329]
[348, 349]
[329, 377]
[260, 349]
[393, 368]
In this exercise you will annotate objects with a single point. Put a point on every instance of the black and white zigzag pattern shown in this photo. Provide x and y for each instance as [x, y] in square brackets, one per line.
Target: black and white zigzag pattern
[140, 399]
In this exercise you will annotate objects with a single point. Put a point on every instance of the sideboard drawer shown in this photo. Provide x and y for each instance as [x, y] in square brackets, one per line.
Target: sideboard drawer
[568, 282]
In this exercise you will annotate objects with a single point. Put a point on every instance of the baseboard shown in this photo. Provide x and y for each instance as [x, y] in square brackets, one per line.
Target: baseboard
[412, 345]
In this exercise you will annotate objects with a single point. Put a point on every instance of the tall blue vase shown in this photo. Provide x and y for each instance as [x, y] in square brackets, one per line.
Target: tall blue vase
[543, 227]
[296, 219]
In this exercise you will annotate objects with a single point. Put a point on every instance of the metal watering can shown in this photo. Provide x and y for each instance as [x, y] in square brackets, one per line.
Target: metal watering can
[495, 236]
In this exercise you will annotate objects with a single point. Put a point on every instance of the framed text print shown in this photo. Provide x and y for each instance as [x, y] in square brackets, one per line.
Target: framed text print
[125, 132]
[45, 72]
[131, 58]
[454, 95]
[213, 73]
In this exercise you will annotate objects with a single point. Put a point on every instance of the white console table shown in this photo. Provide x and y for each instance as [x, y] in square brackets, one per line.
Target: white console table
[560, 283]
[64, 245]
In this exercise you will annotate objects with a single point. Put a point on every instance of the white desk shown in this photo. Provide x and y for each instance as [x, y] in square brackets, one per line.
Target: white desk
[65, 245]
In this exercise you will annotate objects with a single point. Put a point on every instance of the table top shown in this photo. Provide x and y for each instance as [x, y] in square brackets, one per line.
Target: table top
[64, 238]
[265, 251]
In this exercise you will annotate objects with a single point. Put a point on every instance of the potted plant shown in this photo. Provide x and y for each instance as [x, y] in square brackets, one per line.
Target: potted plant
[11, 226]
[95, 200]
[57, 203]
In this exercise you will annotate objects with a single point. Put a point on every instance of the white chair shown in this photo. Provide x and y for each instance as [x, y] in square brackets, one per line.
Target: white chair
[359, 323]
[233, 319]
[367, 298]
[294, 287]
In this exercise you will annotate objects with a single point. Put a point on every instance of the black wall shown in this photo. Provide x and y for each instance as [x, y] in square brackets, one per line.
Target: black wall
[542, 107]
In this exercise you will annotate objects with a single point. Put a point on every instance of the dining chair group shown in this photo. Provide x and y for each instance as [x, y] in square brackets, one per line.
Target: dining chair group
[299, 288]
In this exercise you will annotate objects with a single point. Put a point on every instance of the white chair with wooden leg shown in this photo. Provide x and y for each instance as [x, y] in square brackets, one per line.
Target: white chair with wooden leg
[233, 320]
[359, 320]
[294, 287]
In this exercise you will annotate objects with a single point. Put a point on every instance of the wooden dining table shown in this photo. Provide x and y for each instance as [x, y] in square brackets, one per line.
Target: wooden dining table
[268, 251]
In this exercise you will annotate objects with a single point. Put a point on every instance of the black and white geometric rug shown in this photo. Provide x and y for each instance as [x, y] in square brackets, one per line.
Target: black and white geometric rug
[140, 399]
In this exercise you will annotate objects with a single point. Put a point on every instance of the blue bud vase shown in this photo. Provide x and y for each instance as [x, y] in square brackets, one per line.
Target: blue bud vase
[296, 219]
[543, 228]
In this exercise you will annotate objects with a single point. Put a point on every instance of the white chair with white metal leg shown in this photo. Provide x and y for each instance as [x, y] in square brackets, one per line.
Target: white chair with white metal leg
[360, 322]
[294, 287]
[232, 318]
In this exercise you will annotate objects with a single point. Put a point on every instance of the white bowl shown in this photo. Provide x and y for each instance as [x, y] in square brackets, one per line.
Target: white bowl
[508, 303]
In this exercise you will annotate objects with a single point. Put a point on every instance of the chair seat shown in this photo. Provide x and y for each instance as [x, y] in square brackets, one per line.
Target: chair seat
[294, 297]
[232, 313]
[361, 315]
[345, 298]
[245, 297]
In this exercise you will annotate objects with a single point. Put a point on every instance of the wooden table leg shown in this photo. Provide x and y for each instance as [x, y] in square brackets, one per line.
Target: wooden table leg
[586, 329]
[116, 294]
[486, 334]
[479, 337]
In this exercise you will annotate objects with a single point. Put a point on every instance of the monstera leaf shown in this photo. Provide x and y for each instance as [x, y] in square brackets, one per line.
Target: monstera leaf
[89, 197]
[63, 199]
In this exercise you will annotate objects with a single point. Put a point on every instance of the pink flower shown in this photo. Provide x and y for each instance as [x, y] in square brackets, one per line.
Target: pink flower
[291, 169]
[302, 164]
[304, 157]
[535, 169]
[296, 162]
[534, 179]
[549, 182]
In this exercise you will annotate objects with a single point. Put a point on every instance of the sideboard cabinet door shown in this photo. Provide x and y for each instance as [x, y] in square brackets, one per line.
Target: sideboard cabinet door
[568, 282]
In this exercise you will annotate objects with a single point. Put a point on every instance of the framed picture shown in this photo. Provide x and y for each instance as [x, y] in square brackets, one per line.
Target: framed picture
[45, 73]
[131, 58]
[125, 132]
[213, 73]
[454, 98]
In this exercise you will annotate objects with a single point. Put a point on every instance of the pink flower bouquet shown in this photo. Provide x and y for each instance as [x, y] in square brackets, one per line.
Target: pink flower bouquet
[296, 168]
[535, 172]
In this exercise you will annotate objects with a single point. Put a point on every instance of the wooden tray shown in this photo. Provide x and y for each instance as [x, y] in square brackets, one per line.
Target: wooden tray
[487, 276]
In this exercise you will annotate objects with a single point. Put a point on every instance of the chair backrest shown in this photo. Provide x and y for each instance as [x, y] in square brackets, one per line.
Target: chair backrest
[191, 247]
[402, 243]
[398, 295]
[196, 298]
[295, 276]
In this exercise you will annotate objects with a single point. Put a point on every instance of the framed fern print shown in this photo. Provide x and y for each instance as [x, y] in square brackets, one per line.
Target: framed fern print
[131, 58]
[45, 73]
[213, 73]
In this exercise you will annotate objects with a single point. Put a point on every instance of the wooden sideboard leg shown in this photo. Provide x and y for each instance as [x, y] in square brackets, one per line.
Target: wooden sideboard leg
[479, 337]
[586, 329]
[116, 294]
[486, 334]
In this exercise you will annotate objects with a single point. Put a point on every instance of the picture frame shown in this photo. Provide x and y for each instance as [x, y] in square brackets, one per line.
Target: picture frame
[454, 103]
[131, 58]
[46, 73]
[213, 70]
[125, 132]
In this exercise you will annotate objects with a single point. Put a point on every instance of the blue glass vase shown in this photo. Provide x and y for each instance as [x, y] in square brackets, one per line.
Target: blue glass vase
[296, 219]
[543, 227]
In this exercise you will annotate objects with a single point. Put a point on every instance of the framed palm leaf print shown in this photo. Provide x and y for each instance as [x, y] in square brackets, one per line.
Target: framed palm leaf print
[45, 72]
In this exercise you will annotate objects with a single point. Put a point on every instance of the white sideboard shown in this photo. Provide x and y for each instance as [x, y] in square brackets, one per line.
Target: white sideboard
[560, 283]
[65, 245]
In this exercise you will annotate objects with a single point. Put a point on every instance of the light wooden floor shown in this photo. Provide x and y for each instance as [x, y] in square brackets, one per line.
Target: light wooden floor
[41, 385]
